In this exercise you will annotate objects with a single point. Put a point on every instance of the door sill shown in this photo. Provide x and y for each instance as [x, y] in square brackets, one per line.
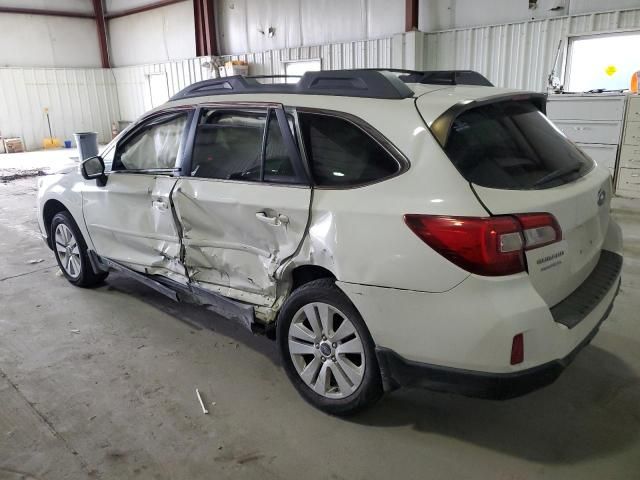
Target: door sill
[226, 307]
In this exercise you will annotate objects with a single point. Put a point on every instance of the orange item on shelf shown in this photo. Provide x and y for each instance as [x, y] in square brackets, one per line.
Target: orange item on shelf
[634, 82]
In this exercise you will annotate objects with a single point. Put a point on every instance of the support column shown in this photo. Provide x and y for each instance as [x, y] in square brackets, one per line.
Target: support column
[102, 33]
[411, 15]
[205, 25]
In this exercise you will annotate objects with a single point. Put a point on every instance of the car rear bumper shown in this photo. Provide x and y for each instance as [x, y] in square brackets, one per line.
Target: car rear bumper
[399, 372]
[461, 340]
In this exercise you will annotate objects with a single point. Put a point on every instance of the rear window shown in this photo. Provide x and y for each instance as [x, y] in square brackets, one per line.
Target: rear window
[512, 145]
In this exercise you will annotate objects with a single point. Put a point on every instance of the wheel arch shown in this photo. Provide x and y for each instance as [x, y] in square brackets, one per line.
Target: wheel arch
[306, 273]
[50, 209]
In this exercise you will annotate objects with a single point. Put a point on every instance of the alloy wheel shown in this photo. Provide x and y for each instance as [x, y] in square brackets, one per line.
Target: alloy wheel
[326, 350]
[68, 250]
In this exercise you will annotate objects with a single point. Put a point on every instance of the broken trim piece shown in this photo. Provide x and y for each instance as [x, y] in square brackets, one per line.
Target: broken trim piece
[224, 306]
[157, 286]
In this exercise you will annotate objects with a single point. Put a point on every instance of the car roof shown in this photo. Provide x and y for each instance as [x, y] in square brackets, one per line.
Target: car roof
[364, 92]
[433, 100]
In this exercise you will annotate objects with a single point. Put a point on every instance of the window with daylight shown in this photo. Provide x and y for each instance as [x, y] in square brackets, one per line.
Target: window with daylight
[299, 68]
[602, 62]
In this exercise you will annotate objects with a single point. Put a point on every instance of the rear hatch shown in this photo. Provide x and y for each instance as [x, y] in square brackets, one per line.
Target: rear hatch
[518, 162]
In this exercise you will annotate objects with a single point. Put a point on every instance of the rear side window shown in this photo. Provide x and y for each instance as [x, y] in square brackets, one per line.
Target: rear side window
[512, 145]
[242, 145]
[341, 154]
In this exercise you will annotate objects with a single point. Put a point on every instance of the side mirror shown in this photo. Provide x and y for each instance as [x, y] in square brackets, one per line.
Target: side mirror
[93, 169]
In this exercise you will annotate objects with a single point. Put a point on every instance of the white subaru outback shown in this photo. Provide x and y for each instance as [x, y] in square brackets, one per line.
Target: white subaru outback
[387, 228]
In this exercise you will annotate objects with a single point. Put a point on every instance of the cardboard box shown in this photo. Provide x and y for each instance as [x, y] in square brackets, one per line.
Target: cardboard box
[13, 145]
[236, 67]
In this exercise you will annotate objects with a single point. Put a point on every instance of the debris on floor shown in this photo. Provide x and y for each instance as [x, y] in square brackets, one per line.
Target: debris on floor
[35, 260]
[204, 409]
[8, 176]
[74, 330]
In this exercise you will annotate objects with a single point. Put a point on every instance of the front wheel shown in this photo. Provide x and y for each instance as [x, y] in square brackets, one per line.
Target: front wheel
[327, 351]
[71, 252]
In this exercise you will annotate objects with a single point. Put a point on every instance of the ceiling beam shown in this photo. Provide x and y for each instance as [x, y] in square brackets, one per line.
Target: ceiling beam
[204, 15]
[411, 15]
[140, 9]
[101, 27]
[50, 13]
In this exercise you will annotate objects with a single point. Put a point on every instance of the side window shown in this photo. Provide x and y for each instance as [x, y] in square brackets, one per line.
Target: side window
[228, 145]
[341, 154]
[154, 146]
[231, 145]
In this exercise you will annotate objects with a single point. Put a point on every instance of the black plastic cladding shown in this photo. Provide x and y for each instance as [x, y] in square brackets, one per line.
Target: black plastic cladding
[367, 83]
[351, 83]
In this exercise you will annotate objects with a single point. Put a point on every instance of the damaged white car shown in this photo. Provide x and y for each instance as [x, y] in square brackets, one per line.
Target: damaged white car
[387, 228]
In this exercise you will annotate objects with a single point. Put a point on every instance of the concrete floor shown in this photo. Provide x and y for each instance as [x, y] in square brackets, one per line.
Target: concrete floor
[117, 400]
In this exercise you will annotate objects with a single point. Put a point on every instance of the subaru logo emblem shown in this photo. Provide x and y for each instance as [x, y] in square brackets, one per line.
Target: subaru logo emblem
[602, 195]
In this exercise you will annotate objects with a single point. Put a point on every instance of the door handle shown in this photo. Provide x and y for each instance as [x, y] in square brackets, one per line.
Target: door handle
[160, 204]
[283, 219]
[263, 217]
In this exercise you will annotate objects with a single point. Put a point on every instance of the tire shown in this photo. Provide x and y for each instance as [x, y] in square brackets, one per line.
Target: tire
[340, 346]
[73, 261]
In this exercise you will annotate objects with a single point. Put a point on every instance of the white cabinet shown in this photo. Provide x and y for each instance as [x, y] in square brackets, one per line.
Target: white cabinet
[632, 133]
[586, 107]
[597, 131]
[602, 154]
[628, 180]
[607, 128]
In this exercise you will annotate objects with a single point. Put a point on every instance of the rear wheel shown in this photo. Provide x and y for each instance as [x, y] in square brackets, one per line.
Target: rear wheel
[71, 252]
[327, 351]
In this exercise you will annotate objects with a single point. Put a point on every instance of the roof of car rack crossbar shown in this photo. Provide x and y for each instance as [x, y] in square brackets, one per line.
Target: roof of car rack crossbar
[367, 83]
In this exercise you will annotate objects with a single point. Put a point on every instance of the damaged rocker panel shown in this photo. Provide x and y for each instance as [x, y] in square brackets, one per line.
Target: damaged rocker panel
[244, 313]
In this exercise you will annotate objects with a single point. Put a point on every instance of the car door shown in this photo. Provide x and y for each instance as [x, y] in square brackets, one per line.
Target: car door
[243, 202]
[129, 218]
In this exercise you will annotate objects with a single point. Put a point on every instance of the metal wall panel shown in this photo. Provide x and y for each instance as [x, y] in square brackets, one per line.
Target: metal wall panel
[517, 55]
[243, 26]
[77, 99]
[134, 90]
[362, 54]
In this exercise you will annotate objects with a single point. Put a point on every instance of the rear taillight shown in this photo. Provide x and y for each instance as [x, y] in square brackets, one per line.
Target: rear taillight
[489, 246]
[539, 229]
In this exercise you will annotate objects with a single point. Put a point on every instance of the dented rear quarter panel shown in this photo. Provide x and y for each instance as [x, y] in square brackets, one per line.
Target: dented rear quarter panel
[359, 233]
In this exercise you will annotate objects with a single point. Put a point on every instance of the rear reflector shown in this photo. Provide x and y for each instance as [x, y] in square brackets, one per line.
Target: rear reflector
[490, 246]
[517, 349]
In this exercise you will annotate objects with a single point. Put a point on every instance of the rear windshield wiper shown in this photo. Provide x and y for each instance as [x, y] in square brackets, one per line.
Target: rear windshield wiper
[561, 172]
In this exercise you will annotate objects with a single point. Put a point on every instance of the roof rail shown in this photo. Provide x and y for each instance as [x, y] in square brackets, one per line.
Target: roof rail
[443, 77]
[367, 83]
